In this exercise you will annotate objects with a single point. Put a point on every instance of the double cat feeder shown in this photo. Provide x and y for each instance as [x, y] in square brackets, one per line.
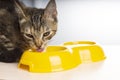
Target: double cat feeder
[63, 57]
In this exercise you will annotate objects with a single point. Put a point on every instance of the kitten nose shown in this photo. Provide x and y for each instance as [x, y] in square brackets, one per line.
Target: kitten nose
[38, 47]
[38, 44]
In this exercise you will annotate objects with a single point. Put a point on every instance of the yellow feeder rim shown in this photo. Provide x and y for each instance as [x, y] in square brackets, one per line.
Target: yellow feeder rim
[79, 42]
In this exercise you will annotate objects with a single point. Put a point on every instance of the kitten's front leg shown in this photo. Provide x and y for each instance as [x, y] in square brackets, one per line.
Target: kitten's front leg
[9, 56]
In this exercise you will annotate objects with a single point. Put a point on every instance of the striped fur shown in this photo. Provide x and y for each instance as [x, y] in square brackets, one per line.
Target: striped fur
[24, 28]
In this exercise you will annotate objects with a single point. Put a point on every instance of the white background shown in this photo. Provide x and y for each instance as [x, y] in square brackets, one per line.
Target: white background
[96, 20]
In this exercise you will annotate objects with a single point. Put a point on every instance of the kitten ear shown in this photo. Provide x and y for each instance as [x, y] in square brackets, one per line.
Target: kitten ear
[50, 10]
[20, 8]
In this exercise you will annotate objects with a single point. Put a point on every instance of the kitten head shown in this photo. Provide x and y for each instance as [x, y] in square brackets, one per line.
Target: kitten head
[37, 26]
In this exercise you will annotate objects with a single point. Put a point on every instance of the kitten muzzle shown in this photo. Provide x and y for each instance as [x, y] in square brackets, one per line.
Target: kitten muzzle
[40, 50]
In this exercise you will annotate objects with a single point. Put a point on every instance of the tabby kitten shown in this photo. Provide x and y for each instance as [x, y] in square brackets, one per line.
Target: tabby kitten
[23, 28]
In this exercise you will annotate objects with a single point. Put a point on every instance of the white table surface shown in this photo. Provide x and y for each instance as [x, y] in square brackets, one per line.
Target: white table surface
[108, 69]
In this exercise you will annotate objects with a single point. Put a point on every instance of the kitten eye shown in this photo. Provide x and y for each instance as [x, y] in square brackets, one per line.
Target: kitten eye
[29, 35]
[46, 34]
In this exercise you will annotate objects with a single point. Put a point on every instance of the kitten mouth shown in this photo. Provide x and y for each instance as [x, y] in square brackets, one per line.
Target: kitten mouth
[40, 50]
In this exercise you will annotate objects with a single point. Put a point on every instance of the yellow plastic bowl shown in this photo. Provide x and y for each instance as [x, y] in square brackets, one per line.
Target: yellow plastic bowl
[55, 58]
[88, 51]
[59, 58]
